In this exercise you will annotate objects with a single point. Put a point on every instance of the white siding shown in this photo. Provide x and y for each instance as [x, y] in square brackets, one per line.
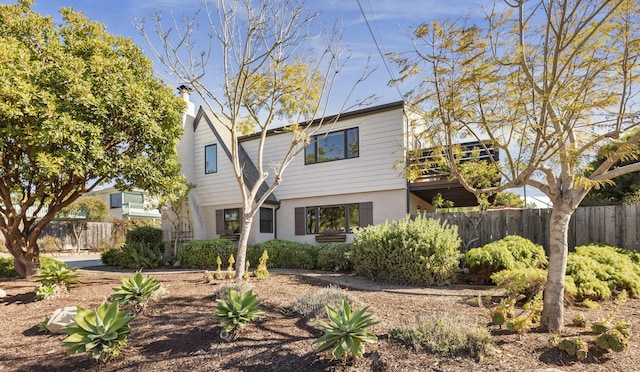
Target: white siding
[215, 188]
[380, 147]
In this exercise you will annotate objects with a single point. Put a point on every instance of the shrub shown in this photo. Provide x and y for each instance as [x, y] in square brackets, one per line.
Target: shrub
[135, 292]
[203, 253]
[135, 255]
[6, 267]
[49, 291]
[575, 347]
[313, 304]
[347, 331]
[102, 332]
[261, 272]
[446, 336]
[50, 243]
[510, 252]
[523, 281]
[236, 312]
[113, 257]
[144, 234]
[334, 257]
[579, 320]
[418, 251]
[285, 254]
[222, 293]
[598, 270]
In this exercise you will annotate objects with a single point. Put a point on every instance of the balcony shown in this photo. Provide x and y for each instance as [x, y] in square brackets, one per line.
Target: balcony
[139, 210]
[433, 180]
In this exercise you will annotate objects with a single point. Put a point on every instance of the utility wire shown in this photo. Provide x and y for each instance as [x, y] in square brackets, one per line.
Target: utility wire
[375, 41]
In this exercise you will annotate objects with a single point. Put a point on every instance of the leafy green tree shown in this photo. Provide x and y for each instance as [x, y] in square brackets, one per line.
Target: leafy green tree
[622, 189]
[80, 107]
[547, 83]
[266, 73]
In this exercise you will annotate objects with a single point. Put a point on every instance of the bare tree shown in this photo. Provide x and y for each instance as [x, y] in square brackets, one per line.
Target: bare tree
[548, 83]
[269, 73]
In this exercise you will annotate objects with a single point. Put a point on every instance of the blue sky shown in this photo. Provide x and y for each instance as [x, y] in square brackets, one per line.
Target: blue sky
[389, 19]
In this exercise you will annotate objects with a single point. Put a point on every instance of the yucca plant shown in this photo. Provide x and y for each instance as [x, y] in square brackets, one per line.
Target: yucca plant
[348, 331]
[236, 312]
[102, 332]
[135, 293]
[58, 273]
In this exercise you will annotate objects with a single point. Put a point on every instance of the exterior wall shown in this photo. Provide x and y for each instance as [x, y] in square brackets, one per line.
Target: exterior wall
[387, 205]
[380, 147]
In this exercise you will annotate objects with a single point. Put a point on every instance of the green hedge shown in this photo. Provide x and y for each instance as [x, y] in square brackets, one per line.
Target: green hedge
[510, 252]
[144, 234]
[203, 253]
[284, 254]
[334, 257]
[8, 270]
[418, 251]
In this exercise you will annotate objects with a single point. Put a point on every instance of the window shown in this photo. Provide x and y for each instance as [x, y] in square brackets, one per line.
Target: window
[337, 145]
[210, 159]
[115, 200]
[232, 221]
[336, 218]
[129, 197]
[266, 220]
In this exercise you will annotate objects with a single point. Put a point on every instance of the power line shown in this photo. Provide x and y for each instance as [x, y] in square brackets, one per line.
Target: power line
[375, 41]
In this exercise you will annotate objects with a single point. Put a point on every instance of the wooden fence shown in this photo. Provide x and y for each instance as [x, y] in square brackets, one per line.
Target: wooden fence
[615, 225]
[96, 236]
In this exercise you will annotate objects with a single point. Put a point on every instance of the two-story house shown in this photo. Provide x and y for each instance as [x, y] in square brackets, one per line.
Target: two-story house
[346, 177]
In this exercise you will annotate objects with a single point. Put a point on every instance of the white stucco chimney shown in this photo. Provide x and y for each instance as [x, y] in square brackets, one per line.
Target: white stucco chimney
[185, 92]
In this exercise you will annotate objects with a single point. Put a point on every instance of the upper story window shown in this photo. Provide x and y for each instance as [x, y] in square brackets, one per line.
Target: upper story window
[115, 200]
[342, 144]
[210, 159]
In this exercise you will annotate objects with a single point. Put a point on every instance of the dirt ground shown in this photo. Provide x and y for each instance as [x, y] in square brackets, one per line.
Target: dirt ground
[177, 334]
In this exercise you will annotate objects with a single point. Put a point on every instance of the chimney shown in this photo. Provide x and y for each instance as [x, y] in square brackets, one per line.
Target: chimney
[185, 91]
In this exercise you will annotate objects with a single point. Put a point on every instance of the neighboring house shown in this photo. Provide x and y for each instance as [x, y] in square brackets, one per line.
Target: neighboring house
[348, 176]
[128, 204]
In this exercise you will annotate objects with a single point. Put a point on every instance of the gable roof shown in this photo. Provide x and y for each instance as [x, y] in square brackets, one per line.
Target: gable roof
[249, 170]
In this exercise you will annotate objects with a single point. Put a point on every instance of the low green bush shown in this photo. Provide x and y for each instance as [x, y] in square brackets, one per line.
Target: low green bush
[135, 255]
[7, 269]
[203, 253]
[510, 252]
[600, 270]
[522, 281]
[284, 254]
[334, 257]
[312, 305]
[446, 336]
[418, 251]
[144, 234]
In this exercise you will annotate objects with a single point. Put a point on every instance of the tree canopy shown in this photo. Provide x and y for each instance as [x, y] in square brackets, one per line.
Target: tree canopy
[80, 107]
[548, 83]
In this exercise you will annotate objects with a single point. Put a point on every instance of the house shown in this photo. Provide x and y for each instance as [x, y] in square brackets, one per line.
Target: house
[128, 204]
[347, 177]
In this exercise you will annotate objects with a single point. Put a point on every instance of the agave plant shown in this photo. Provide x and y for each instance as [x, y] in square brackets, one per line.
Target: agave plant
[236, 312]
[347, 331]
[135, 293]
[102, 332]
[58, 273]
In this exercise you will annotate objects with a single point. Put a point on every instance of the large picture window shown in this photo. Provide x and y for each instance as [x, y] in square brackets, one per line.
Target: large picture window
[335, 218]
[210, 159]
[331, 146]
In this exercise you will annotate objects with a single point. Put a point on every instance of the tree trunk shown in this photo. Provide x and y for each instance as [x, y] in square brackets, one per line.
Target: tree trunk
[25, 251]
[552, 318]
[241, 257]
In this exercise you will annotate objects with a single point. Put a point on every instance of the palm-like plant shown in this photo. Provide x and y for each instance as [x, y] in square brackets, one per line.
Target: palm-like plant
[102, 332]
[135, 293]
[347, 331]
[236, 312]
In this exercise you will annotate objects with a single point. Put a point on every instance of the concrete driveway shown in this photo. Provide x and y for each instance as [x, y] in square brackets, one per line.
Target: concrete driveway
[82, 259]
